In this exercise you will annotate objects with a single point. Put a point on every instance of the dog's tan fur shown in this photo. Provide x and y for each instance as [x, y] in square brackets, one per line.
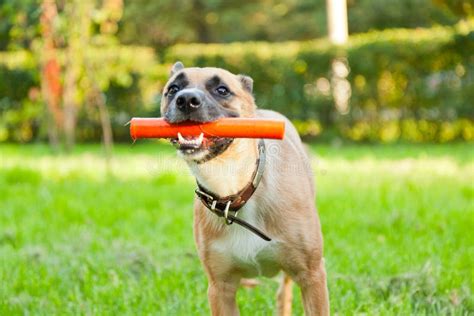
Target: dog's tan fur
[283, 206]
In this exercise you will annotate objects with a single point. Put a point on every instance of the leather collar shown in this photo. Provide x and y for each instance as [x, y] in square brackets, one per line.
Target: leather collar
[229, 206]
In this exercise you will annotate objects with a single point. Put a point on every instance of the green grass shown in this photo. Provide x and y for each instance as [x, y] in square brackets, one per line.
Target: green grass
[80, 237]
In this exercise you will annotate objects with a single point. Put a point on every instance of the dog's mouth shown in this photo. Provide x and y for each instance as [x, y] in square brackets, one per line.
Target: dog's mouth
[190, 145]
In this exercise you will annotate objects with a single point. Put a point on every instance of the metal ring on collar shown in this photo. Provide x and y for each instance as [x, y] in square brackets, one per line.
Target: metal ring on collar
[226, 214]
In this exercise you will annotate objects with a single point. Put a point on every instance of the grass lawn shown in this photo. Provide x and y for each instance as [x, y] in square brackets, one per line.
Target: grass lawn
[78, 236]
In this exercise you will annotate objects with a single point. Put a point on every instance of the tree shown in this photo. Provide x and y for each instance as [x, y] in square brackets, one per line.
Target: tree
[73, 28]
[81, 83]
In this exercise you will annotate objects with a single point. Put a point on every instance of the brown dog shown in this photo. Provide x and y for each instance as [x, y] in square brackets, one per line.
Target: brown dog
[279, 205]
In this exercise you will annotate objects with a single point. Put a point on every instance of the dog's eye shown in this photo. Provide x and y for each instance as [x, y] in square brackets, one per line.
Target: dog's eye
[223, 91]
[172, 90]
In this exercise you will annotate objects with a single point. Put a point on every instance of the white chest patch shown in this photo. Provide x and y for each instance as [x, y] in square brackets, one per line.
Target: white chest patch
[250, 252]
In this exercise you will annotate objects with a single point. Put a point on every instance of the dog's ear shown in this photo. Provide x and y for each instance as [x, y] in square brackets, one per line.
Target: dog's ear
[247, 82]
[176, 67]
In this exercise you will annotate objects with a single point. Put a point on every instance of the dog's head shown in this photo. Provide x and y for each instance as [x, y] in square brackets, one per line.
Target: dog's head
[205, 95]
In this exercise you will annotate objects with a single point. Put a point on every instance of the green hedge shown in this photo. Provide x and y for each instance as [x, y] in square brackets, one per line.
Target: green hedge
[415, 85]
[397, 76]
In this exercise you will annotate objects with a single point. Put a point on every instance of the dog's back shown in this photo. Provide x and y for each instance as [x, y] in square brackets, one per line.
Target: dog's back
[291, 140]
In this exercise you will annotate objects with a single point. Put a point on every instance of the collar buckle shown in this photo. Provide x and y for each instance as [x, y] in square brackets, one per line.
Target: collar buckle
[202, 193]
[211, 203]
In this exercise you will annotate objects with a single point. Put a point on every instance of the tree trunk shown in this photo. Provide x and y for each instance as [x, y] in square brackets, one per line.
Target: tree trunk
[69, 97]
[107, 135]
[96, 97]
[338, 35]
[50, 74]
[78, 11]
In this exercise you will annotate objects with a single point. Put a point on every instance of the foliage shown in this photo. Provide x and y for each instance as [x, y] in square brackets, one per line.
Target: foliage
[463, 8]
[161, 23]
[411, 130]
[396, 76]
[127, 74]
[166, 22]
[75, 236]
[18, 23]
[415, 78]
[366, 15]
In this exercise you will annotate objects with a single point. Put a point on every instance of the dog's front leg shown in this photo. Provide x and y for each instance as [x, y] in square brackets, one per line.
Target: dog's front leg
[222, 297]
[314, 291]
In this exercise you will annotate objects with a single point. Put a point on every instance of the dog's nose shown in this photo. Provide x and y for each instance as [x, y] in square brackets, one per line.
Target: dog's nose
[188, 101]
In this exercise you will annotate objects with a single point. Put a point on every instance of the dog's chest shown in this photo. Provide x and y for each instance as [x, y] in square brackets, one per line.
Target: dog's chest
[248, 252]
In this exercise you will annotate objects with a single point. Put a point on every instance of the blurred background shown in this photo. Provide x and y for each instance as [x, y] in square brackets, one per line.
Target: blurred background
[382, 92]
[74, 71]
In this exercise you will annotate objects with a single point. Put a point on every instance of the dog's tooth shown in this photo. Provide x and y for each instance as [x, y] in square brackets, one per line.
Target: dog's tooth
[199, 140]
[181, 138]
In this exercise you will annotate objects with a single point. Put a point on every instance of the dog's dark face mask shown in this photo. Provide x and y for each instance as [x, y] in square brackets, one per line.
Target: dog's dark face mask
[204, 95]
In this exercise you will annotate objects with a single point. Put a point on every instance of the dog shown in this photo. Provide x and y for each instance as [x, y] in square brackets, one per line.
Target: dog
[274, 205]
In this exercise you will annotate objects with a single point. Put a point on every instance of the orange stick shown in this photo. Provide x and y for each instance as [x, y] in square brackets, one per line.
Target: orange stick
[226, 127]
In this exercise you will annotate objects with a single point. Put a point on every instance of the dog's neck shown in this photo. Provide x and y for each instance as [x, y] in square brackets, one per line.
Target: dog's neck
[229, 172]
